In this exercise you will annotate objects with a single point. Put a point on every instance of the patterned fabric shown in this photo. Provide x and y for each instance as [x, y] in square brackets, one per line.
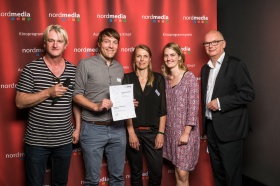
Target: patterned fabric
[182, 110]
[49, 125]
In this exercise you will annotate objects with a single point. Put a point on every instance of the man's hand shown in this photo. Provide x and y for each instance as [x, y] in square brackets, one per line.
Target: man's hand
[105, 104]
[75, 136]
[57, 90]
[213, 105]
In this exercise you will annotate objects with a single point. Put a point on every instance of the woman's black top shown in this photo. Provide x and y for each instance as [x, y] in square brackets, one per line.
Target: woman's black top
[152, 101]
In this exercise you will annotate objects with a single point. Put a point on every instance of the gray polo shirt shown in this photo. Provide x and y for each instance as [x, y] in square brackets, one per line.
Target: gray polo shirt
[93, 78]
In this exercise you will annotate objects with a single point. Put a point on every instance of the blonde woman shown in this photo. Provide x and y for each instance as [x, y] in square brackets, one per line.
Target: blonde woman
[146, 131]
[181, 145]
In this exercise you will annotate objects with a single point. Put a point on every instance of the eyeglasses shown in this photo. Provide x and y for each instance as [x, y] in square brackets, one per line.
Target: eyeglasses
[213, 43]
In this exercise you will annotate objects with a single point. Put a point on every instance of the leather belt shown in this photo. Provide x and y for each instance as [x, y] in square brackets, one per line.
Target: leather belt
[105, 123]
[143, 128]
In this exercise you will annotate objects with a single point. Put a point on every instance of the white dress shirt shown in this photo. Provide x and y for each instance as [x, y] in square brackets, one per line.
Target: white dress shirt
[211, 83]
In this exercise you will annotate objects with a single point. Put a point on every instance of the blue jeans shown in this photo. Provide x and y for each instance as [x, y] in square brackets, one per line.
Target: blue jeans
[97, 139]
[36, 159]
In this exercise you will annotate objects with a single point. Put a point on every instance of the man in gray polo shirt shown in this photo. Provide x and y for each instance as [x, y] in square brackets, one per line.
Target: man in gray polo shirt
[99, 133]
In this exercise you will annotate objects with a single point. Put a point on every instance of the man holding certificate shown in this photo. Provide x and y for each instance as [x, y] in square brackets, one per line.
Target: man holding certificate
[99, 133]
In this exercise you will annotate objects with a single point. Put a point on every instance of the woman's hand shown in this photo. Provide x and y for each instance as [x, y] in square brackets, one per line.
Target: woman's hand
[133, 141]
[184, 139]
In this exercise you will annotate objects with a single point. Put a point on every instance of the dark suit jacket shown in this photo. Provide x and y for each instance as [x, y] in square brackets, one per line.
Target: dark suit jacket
[234, 89]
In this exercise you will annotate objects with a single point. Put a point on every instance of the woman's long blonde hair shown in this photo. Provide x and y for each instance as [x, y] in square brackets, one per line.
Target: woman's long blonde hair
[151, 76]
[174, 46]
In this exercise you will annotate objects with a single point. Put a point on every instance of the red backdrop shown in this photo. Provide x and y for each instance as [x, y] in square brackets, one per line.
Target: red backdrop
[153, 23]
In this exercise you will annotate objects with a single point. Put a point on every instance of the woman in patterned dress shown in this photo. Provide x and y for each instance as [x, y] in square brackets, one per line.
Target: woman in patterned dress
[182, 138]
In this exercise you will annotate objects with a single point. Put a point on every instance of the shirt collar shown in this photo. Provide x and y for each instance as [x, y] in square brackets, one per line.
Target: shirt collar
[219, 61]
[102, 59]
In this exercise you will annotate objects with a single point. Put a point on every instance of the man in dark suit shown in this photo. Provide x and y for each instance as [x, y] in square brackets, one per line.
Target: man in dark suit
[226, 89]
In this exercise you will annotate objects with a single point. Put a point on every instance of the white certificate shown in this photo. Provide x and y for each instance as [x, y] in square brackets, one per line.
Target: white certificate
[122, 98]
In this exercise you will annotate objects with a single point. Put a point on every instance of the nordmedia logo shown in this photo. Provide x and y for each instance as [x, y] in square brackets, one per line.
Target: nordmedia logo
[87, 50]
[112, 18]
[19, 155]
[186, 50]
[75, 17]
[102, 181]
[36, 51]
[77, 151]
[17, 16]
[196, 19]
[157, 18]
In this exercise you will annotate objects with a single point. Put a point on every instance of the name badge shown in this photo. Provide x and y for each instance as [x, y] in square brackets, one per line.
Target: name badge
[157, 92]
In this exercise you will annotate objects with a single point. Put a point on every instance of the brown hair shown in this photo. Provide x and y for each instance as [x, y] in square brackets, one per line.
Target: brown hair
[108, 32]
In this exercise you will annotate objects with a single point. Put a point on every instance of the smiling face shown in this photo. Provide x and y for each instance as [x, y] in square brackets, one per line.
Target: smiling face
[214, 52]
[108, 47]
[142, 59]
[171, 58]
[54, 44]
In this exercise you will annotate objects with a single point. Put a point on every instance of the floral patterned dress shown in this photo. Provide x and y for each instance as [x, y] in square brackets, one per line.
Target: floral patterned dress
[182, 103]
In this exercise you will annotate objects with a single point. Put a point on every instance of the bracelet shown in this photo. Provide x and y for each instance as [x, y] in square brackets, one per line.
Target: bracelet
[160, 132]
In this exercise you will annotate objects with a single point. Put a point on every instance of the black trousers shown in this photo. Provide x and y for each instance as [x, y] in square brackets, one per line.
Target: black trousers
[226, 158]
[153, 157]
